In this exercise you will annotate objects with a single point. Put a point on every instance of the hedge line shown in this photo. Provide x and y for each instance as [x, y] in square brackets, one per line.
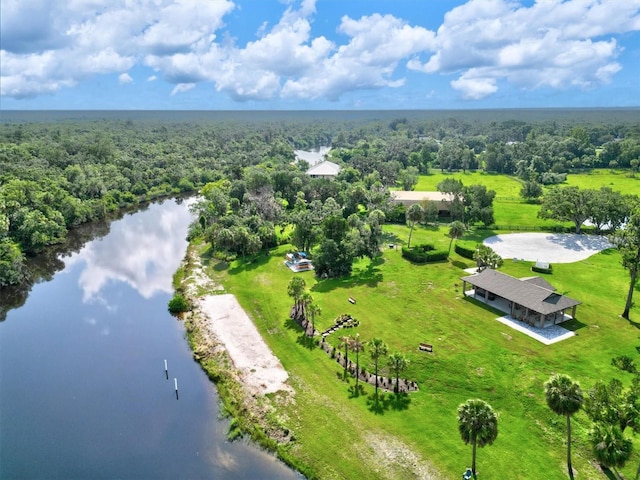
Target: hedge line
[424, 253]
[465, 249]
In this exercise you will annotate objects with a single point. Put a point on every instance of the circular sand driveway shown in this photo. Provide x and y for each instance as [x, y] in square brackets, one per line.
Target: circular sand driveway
[547, 247]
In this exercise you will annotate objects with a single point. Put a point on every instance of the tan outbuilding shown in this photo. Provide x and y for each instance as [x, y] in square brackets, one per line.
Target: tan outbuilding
[408, 198]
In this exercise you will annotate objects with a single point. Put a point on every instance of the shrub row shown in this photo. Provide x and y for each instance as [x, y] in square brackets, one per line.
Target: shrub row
[465, 249]
[424, 253]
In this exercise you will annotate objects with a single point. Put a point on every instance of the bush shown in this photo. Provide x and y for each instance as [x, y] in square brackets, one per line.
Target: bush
[397, 214]
[624, 362]
[551, 178]
[178, 304]
[541, 269]
[424, 253]
[465, 249]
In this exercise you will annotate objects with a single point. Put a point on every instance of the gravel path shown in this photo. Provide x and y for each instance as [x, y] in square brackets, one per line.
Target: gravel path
[547, 247]
[546, 335]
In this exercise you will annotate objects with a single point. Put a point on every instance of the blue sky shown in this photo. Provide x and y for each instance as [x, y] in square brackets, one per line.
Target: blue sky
[318, 54]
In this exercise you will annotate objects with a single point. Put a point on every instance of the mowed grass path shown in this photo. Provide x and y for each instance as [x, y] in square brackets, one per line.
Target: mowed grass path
[345, 436]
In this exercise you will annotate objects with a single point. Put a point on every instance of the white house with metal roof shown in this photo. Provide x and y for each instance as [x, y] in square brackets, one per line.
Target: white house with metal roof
[324, 169]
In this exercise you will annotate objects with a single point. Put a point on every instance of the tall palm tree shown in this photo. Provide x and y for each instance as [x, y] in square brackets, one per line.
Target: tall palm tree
[356, 347]
[478, 426]
[314, 311]
[397, 363]
[377, 350]
[306, 300]
[295, 289]
[564, 397]
[345, 342]
[610, 447]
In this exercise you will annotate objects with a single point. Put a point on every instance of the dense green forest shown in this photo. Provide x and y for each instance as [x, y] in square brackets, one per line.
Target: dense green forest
[61, 170]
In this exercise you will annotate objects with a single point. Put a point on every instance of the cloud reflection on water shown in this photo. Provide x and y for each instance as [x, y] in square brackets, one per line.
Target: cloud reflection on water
[143, 250]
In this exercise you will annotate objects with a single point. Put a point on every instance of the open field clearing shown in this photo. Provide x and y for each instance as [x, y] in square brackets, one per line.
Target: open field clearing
[474, 356]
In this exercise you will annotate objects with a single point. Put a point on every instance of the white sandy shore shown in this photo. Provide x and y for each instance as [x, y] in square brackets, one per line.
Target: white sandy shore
[260, 369]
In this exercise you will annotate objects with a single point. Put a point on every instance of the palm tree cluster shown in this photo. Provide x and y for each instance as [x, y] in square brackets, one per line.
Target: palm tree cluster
[610, 406]
[304, 311]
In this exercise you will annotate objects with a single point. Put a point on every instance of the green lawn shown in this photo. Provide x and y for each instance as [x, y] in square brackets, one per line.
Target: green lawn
[509, 208]
[340, 435]
[615, 179]
[504, 186]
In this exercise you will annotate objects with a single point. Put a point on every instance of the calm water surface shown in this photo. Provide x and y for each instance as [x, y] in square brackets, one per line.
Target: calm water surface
[83, 393]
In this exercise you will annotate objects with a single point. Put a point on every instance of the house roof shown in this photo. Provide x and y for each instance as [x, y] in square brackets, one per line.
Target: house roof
[413, 196]
[539, 281]
[325, 168]
[528, 292]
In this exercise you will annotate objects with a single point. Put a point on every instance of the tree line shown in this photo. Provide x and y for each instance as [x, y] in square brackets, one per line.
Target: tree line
[58, 174]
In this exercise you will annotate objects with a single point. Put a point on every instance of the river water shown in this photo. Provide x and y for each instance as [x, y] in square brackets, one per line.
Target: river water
[83, 391]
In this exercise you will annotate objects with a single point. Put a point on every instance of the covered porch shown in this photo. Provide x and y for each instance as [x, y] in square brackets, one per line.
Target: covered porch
[518, 312]
[531, 300]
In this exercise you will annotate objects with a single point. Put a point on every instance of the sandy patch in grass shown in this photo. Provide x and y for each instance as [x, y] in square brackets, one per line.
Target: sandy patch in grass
[395, 460]
[547, 247]
[260, 369]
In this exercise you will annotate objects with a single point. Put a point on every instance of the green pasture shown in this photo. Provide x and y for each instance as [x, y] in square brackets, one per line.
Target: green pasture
[508, 187]
[342, 434]
[509, 208]
[615, 179]
[504, 186]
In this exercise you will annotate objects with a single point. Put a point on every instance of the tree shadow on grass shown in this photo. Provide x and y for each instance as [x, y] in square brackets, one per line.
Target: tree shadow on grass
[355, 392]
[396, 401]
[249, 263]
[221, 266]
[631, 322]
[369, 276]
[304, 340]
[609, 473]
[291, 324]
[377, 404]
[307, 342]
[462, 265]
[391, 238]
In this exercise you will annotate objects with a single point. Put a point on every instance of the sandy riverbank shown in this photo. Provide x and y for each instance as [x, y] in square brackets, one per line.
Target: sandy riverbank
[260, 370]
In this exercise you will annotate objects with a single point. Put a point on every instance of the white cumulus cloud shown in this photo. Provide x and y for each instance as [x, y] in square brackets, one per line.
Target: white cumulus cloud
[182, 87]
[481, 45]
[552, 43]
[124, 78]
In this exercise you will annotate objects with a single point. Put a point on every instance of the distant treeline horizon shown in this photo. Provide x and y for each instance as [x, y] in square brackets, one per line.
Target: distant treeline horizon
[582, 114]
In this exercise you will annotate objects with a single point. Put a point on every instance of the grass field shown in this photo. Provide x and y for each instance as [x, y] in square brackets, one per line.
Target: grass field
[345, 436]
[509, 208]
[615, 179]
[504, 186]
[341, 434]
